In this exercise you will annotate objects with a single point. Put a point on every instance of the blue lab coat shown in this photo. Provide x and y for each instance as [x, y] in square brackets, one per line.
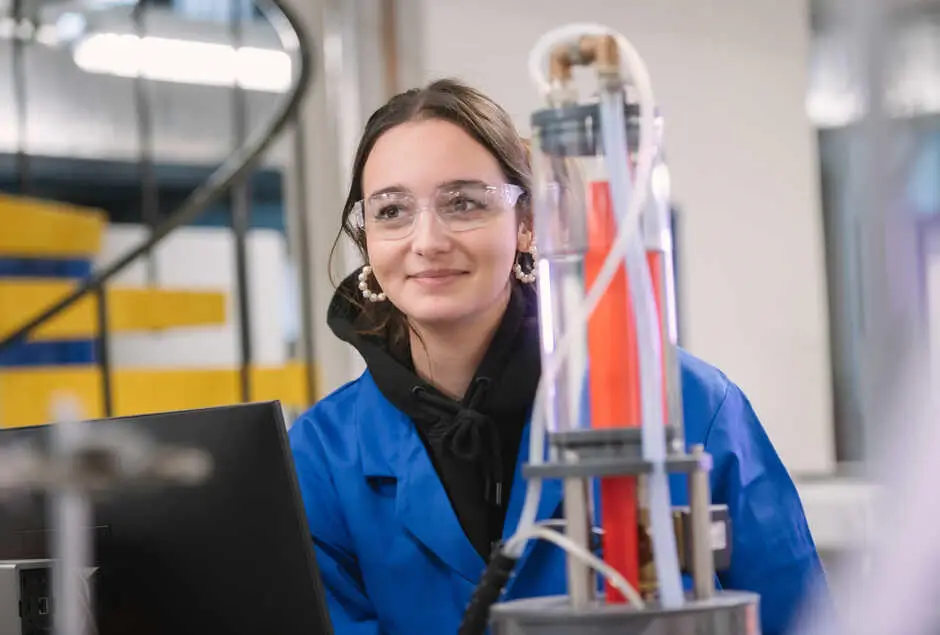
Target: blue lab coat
[395, 560]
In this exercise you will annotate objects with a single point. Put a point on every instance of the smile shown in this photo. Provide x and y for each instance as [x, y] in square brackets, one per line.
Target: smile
[437, 277]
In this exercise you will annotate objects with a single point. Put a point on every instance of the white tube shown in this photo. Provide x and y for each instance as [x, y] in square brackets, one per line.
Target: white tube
[577, 551]
[643, 298]
[628, 229]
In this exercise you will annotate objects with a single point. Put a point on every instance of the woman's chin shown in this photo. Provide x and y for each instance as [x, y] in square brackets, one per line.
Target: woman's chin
[437, 311]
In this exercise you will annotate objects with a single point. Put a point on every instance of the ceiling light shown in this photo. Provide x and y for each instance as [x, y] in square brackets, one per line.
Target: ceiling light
[184, 61]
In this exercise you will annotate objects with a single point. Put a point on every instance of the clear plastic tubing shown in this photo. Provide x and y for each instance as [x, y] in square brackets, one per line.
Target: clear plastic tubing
[643, 298]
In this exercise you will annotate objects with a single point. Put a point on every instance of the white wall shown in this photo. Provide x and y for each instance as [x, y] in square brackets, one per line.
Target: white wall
[204, 258]
[841, 512]
[731, 77]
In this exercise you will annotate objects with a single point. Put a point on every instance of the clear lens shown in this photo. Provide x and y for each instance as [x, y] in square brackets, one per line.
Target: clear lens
[460, 208]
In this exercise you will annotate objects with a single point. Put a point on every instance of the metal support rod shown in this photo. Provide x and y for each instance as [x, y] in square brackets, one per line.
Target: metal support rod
[388, 10]
[581, 580]
[675, 225]
[703, 560]
[304, 260]
[879, 348]
[241, 213]
[893, 331]
[149, 190]
[103, 355]
[72, 511]
[669, 343]
[20, 99]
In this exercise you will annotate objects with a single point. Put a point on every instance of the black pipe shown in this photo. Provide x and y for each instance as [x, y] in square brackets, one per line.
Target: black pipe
[103, 353]
[293, 38]
[477, 613]
[149, 191]
[241, 214]
[241, 219]
[20, 99]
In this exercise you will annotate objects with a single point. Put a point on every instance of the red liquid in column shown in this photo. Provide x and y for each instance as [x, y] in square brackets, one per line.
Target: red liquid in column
[654, 259]
[614, 386]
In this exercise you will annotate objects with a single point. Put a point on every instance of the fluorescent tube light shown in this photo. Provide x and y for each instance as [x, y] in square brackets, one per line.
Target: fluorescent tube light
[184, 61]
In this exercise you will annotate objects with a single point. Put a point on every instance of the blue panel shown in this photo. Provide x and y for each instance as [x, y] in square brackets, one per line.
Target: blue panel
[56, 353]
[923, 190]
[48, 354]
[263, 216]
[44, 268]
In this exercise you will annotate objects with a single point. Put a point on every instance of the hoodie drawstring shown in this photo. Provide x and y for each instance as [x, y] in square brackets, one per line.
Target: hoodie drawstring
[467, 434]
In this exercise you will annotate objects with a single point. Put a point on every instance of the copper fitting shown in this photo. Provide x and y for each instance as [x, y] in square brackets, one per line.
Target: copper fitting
[649, 583]
[599, 51]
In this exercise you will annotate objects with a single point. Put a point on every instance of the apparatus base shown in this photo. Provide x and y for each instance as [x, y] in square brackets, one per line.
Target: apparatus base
[727, 613]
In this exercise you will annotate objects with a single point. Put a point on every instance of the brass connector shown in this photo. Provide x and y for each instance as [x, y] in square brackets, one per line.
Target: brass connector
[649, 583]
[599, 51]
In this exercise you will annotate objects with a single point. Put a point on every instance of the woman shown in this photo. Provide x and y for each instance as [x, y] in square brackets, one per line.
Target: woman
[411, 473]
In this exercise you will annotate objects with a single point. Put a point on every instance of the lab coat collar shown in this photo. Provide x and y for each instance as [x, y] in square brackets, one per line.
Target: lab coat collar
[384, 431]
[390, 448]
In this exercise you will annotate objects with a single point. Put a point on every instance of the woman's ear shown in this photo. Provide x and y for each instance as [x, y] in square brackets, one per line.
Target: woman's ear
[524, 238]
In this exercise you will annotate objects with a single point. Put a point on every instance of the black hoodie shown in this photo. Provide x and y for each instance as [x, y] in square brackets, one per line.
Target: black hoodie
[473, 443]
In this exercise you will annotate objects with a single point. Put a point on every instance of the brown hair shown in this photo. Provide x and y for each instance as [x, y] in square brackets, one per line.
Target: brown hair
[480, 117]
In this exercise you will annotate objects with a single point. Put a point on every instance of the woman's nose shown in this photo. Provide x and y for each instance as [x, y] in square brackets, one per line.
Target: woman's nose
[429, 235]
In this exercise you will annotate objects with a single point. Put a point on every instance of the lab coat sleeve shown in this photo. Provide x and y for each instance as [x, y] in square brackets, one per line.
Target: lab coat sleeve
[351, 611]
[773, 553]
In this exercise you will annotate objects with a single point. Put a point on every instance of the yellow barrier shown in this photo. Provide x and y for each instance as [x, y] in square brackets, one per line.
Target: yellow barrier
[26, 394]
[129, 309]
[31, 228]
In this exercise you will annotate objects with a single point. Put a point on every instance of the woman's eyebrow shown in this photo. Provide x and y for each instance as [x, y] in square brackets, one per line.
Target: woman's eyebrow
[460, 183]
[390, 189]
[449, 184]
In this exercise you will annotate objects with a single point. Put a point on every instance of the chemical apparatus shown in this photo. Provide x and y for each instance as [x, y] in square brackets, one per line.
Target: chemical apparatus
[609, 401]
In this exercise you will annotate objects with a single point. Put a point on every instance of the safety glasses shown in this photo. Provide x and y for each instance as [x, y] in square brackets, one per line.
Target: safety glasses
[460, 206]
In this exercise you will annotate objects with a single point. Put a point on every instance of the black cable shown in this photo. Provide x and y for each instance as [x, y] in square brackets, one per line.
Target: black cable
[498, 571]
[103, 353]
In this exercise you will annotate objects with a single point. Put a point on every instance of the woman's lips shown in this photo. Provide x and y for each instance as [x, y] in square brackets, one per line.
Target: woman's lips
[437, 277]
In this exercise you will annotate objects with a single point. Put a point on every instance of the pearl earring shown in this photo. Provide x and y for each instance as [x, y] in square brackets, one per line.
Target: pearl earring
[367, 293]
[526, 277]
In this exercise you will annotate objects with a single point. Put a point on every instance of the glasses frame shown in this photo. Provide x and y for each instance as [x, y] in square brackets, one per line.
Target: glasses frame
[510, 193]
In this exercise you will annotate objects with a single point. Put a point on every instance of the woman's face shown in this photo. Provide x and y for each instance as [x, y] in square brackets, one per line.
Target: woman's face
[441, 229]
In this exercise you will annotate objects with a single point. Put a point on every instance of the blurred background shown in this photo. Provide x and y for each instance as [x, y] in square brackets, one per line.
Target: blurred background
[114, 112]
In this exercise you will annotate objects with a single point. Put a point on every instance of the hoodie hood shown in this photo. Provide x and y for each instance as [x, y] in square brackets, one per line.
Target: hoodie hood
[473, 442]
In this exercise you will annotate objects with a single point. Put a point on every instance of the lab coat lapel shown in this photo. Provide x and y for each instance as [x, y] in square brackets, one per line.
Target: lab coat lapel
[423, 507]
[391, 449]
[549, 503]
